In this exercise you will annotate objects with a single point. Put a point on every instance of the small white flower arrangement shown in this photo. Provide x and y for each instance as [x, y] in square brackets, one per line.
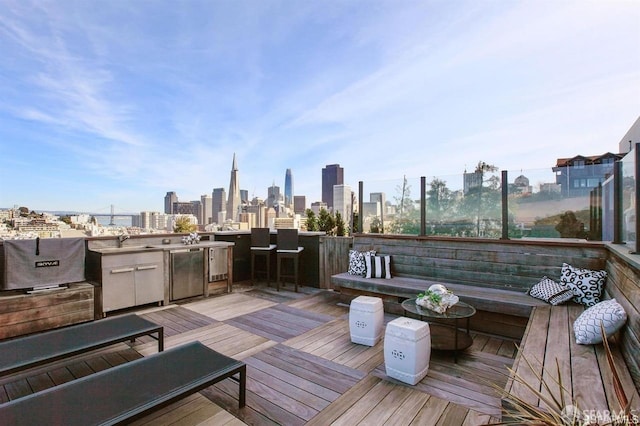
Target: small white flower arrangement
[192, 238]
[437, 299]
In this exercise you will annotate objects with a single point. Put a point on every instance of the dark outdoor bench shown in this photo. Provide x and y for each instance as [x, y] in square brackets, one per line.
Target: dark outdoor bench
[585, 374]
[128, 391]
[34, 350]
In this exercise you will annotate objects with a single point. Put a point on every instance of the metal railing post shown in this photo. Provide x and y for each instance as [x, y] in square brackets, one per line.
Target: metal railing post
[617, 203]
[423, 206]
[505, 206]
[360, 205]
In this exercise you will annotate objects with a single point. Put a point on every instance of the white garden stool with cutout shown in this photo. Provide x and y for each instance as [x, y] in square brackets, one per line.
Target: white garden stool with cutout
[407, 349]
[366, 320]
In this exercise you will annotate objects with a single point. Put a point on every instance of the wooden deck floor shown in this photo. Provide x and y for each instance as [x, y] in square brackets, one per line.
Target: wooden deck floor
[301, 367]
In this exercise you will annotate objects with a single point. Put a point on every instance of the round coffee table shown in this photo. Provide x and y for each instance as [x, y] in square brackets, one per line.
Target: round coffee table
[446, 337]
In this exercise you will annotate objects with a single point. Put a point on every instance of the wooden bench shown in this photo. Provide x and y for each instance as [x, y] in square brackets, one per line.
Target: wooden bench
[30, 351]
[585, 374]
[128, 391]
[491, 275]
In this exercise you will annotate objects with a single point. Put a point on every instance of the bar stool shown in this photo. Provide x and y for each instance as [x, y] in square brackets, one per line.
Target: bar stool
[287, 240]
[261, 246]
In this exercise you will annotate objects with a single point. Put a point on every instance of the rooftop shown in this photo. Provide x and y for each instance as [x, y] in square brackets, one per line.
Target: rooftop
[302, 366]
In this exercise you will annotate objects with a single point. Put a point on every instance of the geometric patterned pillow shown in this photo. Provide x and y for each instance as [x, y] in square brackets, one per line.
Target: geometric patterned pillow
[585, 283]
[587, 326]
[551, 292]
[357, 265]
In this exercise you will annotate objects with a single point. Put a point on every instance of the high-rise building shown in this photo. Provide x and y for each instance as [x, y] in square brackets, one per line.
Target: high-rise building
[316, 206]
[342, 202]
[218, 203]
[299, 204]
[273, 195]
[233, 205]
[169, 200]
[288, 189]
[207, 204]
[332, 175]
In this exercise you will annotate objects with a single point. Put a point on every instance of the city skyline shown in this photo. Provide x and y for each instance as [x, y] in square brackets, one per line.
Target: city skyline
[121, 106]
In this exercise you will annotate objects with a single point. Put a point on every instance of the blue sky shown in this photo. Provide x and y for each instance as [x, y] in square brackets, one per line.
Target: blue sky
[117, 102]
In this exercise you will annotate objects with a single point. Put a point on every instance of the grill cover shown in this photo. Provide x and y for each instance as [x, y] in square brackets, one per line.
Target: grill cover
[41, 262]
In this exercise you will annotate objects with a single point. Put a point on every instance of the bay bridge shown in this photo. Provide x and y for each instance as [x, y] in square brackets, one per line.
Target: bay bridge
[112, 215]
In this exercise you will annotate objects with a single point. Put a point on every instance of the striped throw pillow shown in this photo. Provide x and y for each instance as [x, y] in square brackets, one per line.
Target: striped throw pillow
[378, 266]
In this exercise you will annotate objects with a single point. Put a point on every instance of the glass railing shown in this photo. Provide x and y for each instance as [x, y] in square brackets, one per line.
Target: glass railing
[559, 202]
[629, 207]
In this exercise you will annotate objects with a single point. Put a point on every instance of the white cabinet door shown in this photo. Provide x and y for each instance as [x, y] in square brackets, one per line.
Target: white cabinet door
[118, 288]
[149, 280]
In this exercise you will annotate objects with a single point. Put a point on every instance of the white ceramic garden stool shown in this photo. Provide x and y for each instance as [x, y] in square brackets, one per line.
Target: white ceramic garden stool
[407, 349]
[366, 320]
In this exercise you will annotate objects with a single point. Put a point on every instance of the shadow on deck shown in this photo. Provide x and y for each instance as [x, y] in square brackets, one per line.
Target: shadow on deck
[301, 367]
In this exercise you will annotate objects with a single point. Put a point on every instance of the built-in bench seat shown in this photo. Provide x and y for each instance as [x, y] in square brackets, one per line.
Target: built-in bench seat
[128, 391]
[33, 350]
[488, 299]
[584, 371]
[493, 276]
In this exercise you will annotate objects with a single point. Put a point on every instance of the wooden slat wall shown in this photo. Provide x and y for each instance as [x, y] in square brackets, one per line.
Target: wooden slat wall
[510, 264]
[623, 284]
[334, 258]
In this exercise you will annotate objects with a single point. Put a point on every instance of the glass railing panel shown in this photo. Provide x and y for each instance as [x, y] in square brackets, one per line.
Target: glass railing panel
[629, 208]
[554, 203]
[391, 206]
[466, 205]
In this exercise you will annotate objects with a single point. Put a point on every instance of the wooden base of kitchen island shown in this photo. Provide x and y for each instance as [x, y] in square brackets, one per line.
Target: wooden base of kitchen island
[22, 313]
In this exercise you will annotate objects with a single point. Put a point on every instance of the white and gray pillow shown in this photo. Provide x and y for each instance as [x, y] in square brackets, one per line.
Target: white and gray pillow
[551, 292]
[586, 284]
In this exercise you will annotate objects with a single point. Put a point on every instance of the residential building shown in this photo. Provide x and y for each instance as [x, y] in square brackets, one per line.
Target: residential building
[578, 175]
[332, 175]
[631, 138]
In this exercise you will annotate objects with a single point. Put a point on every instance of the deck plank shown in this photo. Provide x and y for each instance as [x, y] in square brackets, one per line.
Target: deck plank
[314, 375]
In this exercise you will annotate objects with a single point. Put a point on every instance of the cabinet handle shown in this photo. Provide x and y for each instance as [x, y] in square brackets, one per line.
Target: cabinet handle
[119, 271]
[144, 268]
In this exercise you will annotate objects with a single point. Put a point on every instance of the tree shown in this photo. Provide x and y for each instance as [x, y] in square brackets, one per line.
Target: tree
[312, 220]
[407, 219]
[376, 226]
[439, 200]
[341, 229]
[483, 202]
[326, 222]
[183, 225]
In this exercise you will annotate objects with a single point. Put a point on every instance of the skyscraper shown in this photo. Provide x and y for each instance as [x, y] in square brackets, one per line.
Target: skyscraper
[299, 204]
[273, 195]
[288, 189]
[342, 203]
[169, 200]
[233, 204]
[207, 202]
[219, 202]
[332, 175]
